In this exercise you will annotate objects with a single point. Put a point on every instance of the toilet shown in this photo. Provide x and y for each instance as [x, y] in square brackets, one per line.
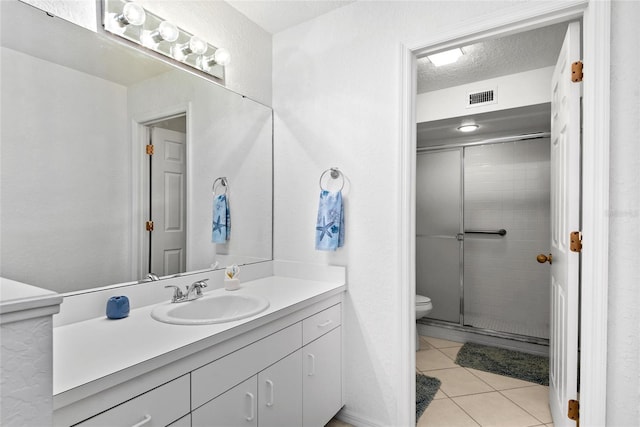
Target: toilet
[423, 307]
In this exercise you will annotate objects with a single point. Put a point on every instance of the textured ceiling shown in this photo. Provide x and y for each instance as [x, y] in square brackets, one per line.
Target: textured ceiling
[494, 58]
[275, 16]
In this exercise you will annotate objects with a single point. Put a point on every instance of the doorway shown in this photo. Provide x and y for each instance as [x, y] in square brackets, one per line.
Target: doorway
[595, 178]
[165, 183]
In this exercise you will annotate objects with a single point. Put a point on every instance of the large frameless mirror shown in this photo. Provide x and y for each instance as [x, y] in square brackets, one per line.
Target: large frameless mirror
[79, 190]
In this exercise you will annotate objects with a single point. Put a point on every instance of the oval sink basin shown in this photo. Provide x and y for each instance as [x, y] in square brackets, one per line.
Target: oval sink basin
[211, 309]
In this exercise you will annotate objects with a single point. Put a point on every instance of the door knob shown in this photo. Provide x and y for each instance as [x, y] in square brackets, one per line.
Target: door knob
[542, 258]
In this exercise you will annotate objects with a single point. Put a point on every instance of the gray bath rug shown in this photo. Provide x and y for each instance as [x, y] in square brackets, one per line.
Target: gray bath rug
[510, 363]
[426, 388]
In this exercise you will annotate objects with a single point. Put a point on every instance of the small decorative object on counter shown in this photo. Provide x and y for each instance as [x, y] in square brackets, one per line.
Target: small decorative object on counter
[117, 307]
[231, 282]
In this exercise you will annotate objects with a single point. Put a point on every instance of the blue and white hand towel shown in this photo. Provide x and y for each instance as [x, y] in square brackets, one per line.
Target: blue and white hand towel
[330, 224]
[221, 226]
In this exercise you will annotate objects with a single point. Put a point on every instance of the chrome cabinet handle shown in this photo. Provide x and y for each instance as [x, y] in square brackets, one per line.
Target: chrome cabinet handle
[146, 420]
[270, 384]
[312, 365]
[325, 323]
[251, 400]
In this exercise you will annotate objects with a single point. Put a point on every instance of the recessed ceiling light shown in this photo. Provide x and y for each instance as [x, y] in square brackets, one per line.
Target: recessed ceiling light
[468, 128]
[446, 57]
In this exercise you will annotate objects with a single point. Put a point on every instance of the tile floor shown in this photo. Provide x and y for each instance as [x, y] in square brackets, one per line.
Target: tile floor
[468, 397]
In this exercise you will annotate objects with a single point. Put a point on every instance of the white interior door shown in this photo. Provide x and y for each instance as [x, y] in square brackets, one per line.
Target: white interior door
[168, 195]
[565, 218]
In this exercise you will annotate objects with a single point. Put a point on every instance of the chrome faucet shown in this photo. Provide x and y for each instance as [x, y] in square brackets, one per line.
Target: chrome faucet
[192, 292]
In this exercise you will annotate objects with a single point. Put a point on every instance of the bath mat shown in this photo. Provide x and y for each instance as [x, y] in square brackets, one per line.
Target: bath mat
[510, 363]
[426, 388]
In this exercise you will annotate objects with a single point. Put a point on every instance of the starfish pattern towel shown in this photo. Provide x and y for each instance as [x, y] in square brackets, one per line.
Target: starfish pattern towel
[330, 223]
[221, 225]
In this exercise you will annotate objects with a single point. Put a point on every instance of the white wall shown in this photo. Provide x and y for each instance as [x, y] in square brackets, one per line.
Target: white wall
[249, 72]
[50, 154]
[336, 92]
[623, 386]
[336, 98]
[510, 92]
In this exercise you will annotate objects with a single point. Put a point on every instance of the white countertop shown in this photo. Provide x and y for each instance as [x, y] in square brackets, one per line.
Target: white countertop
[19, 301]
[92, 350]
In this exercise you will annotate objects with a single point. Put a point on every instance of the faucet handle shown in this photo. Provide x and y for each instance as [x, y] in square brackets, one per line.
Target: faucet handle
[199, 285]
[177, 293]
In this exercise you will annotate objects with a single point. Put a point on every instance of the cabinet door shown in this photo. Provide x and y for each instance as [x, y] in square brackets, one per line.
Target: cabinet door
[280, 393]
[235, 407]
[322, 379]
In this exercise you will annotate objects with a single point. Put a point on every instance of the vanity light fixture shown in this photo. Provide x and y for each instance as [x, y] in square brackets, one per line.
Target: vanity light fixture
[469, 127]
[132, 22]
[166, 31]
[220, 57]
[446, 57]
[195, 45]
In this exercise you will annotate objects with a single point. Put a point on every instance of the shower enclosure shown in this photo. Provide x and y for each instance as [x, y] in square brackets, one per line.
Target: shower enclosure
[482, 216]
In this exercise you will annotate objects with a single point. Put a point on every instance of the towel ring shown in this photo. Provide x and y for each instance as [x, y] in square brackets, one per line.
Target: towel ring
[335, 174]
[222, 181]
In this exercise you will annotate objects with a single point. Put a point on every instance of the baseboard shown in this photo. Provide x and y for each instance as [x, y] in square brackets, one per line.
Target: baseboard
[357, 420]
[464, 336]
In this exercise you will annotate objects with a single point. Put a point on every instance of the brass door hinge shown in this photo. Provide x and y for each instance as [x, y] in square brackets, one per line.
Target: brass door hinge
[576, 241]
[149, 225]
[576, 72]
[150, 149]
[574, 411]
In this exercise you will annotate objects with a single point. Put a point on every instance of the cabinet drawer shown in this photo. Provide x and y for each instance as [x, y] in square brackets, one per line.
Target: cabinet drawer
[160, 407]
[219, 376]
[319, 324]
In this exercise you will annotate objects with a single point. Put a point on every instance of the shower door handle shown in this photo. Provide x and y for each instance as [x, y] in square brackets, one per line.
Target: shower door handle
[542, 258]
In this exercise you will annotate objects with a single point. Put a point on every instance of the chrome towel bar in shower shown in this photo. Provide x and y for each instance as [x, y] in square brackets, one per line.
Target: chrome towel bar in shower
[501, 232]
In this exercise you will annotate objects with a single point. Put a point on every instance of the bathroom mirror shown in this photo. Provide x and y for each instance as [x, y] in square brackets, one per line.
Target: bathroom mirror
[78, 109]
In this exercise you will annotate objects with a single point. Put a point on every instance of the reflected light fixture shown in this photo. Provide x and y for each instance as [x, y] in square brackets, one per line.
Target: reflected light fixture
[446, 57]
[220, 57]
[166, 31]
[468, 127]
[132, 22]
[195, 45]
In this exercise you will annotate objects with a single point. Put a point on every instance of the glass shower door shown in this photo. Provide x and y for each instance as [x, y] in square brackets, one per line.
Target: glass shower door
[438, 219]
[507, 187]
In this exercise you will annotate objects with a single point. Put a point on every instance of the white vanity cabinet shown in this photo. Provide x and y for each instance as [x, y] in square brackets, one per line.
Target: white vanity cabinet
[158, 407]
[285, 372]
[235, 407]
[271, 398]
[322, 373]
[280, 393]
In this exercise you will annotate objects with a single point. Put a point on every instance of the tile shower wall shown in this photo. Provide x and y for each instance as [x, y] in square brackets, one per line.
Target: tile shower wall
[507, 186]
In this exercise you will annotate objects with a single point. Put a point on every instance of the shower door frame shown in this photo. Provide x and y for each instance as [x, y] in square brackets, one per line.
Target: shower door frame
[596, 18]
[460, 325]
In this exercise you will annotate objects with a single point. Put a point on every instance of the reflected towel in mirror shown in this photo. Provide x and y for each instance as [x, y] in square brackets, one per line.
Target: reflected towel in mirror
[221, 225]
[330, 222]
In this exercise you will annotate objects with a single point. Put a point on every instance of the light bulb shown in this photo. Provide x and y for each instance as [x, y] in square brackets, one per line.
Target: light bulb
[132, 14]
[222, 56]
[195, 45]
[166, 31]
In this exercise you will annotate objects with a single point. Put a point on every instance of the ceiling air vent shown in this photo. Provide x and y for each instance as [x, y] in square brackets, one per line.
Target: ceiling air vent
[484, 97]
